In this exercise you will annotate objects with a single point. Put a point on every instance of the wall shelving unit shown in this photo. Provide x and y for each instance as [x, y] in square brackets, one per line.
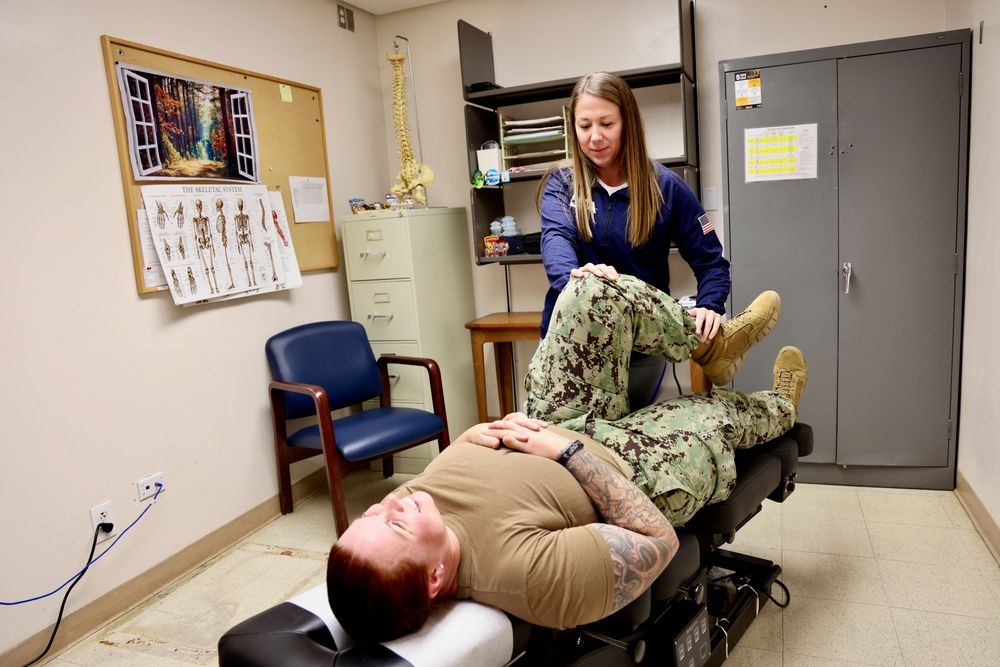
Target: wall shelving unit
[488, 103]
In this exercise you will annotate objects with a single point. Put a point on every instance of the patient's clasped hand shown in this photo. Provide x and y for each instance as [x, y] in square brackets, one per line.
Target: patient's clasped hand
[563, 514]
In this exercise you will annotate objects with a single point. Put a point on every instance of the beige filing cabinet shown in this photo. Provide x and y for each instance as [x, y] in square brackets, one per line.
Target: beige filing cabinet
[410, 281]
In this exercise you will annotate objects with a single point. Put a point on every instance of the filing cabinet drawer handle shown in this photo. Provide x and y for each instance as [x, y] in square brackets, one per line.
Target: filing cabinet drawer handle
[379, 316]
[371, 253]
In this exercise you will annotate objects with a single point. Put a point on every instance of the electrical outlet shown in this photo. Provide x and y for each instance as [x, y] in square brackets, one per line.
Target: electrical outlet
[147, 486]
[102, 514]
[345, 18]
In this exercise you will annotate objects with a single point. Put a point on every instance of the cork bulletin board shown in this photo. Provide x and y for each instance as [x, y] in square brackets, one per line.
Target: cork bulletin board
[291, 142]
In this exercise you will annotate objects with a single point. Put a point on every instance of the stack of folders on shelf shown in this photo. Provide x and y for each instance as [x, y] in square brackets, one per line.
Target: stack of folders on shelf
[535, 129]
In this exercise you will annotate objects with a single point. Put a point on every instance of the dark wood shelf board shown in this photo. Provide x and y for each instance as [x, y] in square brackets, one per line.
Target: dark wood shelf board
[550, 90]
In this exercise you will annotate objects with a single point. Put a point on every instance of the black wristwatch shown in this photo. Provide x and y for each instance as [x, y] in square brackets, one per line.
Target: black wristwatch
[570, 450]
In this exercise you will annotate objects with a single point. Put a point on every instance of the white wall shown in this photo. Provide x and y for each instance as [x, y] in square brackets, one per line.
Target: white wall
[102, 386]
[978, 450]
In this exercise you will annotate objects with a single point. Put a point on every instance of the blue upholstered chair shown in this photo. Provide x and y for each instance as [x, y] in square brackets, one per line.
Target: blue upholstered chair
[325, 366]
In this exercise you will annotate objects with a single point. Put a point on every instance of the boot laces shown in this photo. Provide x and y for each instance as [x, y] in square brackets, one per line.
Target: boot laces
[740, 320]
[786, 383]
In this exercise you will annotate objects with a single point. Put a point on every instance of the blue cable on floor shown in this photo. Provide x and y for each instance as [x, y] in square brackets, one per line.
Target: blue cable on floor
[121, 535]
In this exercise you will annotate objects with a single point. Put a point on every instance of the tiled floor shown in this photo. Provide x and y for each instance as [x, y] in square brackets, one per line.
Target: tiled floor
[877, 576]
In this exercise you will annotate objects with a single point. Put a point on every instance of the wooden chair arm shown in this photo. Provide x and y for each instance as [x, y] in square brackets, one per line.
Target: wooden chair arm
[315, 391]
[434, 376]
[320, 400]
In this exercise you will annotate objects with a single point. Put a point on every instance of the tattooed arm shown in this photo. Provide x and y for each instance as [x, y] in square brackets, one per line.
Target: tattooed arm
[639, 537]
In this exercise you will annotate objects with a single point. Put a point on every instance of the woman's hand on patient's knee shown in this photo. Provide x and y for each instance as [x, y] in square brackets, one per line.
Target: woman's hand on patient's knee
[599, 270]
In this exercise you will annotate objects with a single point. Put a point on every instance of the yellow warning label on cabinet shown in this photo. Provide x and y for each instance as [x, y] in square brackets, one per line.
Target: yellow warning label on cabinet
[747, 89]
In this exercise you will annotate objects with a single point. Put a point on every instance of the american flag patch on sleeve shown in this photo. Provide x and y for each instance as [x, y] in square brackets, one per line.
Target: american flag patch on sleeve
[706, 224]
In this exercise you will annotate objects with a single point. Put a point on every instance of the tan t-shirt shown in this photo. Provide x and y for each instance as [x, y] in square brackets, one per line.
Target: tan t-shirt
[526, 529]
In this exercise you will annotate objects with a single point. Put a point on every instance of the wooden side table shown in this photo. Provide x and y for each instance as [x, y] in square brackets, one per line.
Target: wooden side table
[699, 381]
[501, 329]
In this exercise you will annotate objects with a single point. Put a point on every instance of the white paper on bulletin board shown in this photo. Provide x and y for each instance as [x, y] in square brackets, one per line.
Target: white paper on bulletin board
[780, 153]
[310, 201]
[152, 270]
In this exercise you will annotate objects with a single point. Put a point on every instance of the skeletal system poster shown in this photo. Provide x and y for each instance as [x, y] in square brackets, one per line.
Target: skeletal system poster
[219, 241]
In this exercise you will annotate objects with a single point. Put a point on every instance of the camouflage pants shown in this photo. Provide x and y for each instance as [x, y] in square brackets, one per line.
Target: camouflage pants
[681, 451]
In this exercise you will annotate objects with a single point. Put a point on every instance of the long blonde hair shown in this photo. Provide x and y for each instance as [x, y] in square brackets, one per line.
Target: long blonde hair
[645, 196]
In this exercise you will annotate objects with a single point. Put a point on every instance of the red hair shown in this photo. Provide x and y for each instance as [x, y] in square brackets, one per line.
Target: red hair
[373, 605]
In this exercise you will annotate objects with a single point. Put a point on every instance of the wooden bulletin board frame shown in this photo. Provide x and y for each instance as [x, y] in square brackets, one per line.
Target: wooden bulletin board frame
[291, 140]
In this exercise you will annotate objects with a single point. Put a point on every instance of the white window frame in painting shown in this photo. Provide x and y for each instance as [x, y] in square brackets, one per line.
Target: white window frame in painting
[246, 162]
[142, 128]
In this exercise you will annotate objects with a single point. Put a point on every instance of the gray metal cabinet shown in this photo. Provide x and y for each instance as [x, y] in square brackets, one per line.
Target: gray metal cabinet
[863, 237]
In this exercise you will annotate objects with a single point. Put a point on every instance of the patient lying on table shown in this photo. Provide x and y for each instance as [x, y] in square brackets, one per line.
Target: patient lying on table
[563, 515]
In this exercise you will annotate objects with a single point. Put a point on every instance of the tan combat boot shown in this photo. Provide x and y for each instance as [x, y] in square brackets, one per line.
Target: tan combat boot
[722, 356]
[790, 374]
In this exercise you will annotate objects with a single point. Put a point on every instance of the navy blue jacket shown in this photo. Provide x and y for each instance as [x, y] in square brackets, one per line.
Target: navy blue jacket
[677, 224]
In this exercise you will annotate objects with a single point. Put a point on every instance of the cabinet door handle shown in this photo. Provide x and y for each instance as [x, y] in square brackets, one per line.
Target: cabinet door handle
[847, 277]
[379, 316]
[372, 253]
[393, 376]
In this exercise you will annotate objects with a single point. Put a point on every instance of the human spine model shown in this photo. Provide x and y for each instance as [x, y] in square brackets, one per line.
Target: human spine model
[413, 176]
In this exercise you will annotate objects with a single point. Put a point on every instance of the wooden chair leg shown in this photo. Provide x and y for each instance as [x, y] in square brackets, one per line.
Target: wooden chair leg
[504, 353]
[284, 481]
[337, 501]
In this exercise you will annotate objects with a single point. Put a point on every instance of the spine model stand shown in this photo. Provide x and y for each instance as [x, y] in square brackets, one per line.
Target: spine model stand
[413, 176]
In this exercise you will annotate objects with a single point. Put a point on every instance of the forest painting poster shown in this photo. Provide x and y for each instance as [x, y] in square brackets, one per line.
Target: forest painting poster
[182, 128]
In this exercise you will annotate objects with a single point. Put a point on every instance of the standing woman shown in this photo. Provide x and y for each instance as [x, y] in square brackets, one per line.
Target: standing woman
[611, 209]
